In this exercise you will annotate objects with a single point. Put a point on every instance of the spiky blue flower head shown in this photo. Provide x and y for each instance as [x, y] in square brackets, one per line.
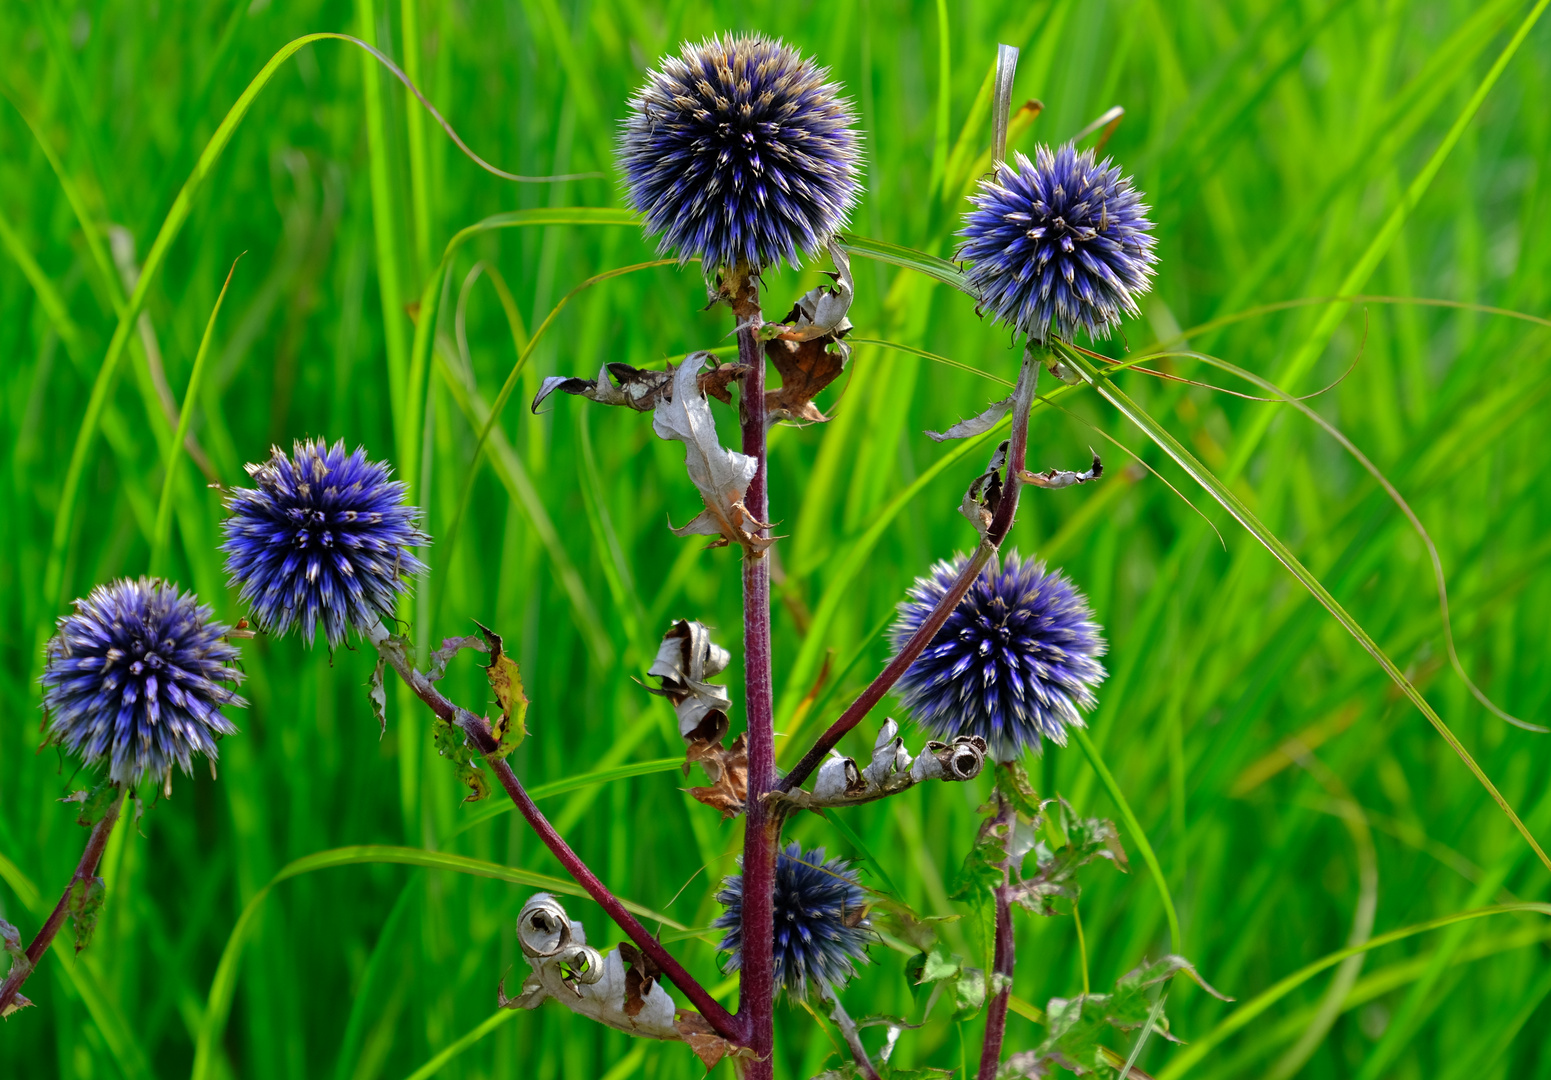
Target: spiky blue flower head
[1016, 662]
[325, 539]
[820, 921]
[739, 151]
[136, 677]
[1058, 244]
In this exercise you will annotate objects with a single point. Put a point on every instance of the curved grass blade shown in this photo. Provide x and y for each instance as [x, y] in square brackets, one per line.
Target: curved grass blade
[430, 304]
[1231, 502]
[1176, 941]
[570, 784]
[1439, 581]
[163, 529]
[909, 258]
[450, 535]
[1314, 345]
[1246, 1013]
[1311, 301]
[172, 225]
[224, 984]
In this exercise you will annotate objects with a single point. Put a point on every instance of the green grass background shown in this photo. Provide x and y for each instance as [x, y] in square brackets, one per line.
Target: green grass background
[1284, 782]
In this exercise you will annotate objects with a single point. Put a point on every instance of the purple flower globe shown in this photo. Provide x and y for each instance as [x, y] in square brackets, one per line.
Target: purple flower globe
[137, 677]
[1058, 244]
[1016, 662]
[820, 921]
[739, 151]
[324, 541]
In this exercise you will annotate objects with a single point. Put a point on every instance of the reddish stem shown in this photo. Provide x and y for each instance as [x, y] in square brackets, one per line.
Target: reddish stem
[83, 872]
[1001, 962]
[478, 732]
[1001, 522]
[756, 982]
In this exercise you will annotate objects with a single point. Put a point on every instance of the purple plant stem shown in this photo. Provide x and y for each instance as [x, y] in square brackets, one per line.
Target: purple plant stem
[83, 872]
[478, 732]
[1001, 523]
[1003, 956]
[756, 984]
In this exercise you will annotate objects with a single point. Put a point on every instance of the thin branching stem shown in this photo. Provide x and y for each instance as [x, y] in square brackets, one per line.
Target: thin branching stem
[1001, 522]
[477, 729]
[95, 844]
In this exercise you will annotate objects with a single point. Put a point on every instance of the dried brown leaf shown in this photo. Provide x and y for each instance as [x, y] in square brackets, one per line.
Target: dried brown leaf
[641, 976]
[728, 770]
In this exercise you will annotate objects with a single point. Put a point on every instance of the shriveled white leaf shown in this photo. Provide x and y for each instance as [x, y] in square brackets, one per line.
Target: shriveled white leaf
[980, 501]
[821, 311]
[977, 425]
[721, 475]
[837, 778]
[888, 755]
[687, 658]
[1060, 478]
[602, 390]
[591, 984]
[839, 782]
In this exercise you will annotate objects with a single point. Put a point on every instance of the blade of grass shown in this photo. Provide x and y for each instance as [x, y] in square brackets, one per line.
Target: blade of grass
[224, 984]
[185, 416]
[1138, 835]
[1246, 1013]
[1231, 502]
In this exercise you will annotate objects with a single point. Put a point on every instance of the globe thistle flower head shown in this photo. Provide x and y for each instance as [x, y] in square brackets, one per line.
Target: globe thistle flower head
[1058, 244]
[324, 541]
[135, 677]
[820, 921]
[1016, 662]
[739, 151]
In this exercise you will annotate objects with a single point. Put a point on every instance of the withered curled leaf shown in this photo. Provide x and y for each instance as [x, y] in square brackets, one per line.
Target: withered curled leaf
[985, 493]
[450, 648]
[728, 769]
[641, 974]
[510, 728]
[977, 425]
[686, 658]
[722, 476]
[638, 388]
[702, 1038]
[808, 349]
[1060, 478]
[821, 311]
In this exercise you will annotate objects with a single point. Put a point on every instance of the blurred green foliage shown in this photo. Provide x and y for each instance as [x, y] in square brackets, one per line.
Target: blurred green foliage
[1291, 793]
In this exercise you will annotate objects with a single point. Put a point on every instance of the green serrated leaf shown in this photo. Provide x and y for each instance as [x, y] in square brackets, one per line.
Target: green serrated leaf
[451, 744]
[84, 904]
[929, 967]
[11, 939]
[969, 993]
[1013, 784]
[510, 728]
[379, 697]
[95, 803]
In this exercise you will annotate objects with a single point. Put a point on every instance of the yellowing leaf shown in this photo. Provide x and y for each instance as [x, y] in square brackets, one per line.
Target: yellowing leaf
[510, 728]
